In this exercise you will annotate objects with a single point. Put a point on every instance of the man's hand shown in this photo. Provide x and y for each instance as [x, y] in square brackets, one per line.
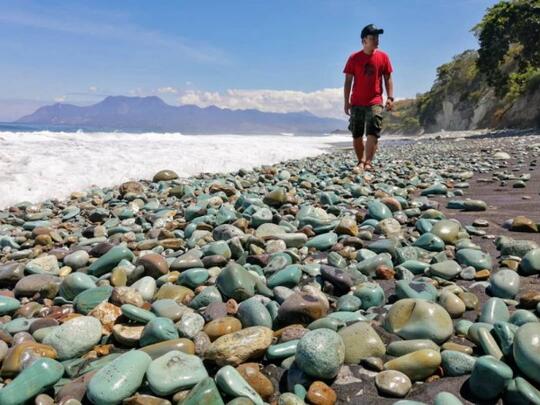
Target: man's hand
[347, 108]
[389, 105]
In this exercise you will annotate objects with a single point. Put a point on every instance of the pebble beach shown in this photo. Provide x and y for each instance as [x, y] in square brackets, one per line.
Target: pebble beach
[300, 282]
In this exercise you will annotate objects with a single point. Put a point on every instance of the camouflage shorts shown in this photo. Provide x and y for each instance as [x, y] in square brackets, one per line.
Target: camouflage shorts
[369, 118]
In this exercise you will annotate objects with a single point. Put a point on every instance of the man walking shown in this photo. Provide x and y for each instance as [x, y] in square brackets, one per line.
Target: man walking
[364, 72]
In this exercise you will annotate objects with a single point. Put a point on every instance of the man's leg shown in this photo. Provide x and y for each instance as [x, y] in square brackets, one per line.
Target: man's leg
[371, 147]
[358, 144]
[374, 126]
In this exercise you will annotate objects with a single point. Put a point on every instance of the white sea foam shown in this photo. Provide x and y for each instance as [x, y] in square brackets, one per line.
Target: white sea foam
[38, 165]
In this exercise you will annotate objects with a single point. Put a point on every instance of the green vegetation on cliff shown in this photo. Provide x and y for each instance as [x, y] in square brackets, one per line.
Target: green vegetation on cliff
[496, 86]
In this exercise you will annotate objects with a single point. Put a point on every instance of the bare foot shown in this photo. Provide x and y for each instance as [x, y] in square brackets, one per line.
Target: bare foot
[368, 167]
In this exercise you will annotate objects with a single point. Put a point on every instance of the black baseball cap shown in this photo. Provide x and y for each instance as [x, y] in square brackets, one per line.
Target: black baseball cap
[371, 30]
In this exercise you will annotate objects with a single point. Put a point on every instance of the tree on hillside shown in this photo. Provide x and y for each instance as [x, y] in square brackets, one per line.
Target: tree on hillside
[509, 36]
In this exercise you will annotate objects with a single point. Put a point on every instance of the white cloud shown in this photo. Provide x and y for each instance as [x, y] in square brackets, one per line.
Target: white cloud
[93, 89]
[60, 99]
[167, 90]
[325, 102]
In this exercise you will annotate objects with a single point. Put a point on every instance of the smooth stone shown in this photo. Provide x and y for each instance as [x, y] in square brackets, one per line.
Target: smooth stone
[222, 326]
[523, 224]
[193, 278]
[526, 350]
[190, 324]
[488, 343]
[282, 350]
[447, 230]
[252, 312]
[164, 175]
[505, 332]
[348, 303]
[88, 299]
[320, 353]
[475, 258]
[378, 210]
[175, 371]
[417, 365]
[206, 297]
[456, 363]
[109, 260]
[168, 308]
[302, 308]
[430, 241]
[74, 284]
[370, 294]
[323, 241]
[205, 392]
[447, 269]
[530, 264]
[522, 316]
[489, 378]
[452, 304]
[158, 330]
[230, 381]
[361, 341]
[419, 319]
[45, 284]
[504, 284]
[32, 380]
[8, 305]
[321, 394]
[137, 314]
[127, 335]
[494, 310]
[419, 289]
[257, 380]
[19, 354]
[402, 347]
[235, 282]
[446, 398]
[66, 338]
[237, 347]
[289, 277]
[119, 379]
[159, 349]
[77, 259]
[435, 189]
[154, 265]
[369, 266]
[520, 392]
[146, 286]
[45, 264]
[393, 383]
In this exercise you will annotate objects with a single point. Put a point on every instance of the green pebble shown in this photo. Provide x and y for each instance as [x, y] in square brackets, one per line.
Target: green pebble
[456, 363]
[282, 350]
[32, 380]
[158, 330]
[489, 378]
[8, 305]
[137, 314]
[87, 300]
[119, 379]
[109, 260]
[252, 312]
[316, 362]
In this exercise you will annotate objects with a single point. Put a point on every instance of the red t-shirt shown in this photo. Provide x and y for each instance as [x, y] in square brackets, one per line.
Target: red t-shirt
[368, 71]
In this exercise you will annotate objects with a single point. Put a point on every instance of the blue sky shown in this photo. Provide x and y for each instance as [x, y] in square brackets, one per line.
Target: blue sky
[279, 55]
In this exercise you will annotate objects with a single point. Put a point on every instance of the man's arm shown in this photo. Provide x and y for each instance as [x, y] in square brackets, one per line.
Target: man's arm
[347, 92]
[389, 85]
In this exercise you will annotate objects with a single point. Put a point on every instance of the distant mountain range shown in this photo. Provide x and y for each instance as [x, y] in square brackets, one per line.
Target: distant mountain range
[153, 114]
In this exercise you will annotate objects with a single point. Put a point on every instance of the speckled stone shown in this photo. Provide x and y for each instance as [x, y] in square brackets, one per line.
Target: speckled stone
[66, 338]
[320, 353]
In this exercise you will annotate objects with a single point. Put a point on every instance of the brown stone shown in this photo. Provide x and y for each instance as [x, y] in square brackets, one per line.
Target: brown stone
[131, 187]
[174, 292]
[258, 381]
[523, 224]
[127, 335]
[321, 394]
[107, 314]
[12, 364]
[222, 326]
[154, 265]
[301, 307]
[384, 272]
[530, 299]
[126, 295]
[482, 274]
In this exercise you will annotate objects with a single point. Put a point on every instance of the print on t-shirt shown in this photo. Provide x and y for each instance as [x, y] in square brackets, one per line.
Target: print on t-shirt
[369, 69]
